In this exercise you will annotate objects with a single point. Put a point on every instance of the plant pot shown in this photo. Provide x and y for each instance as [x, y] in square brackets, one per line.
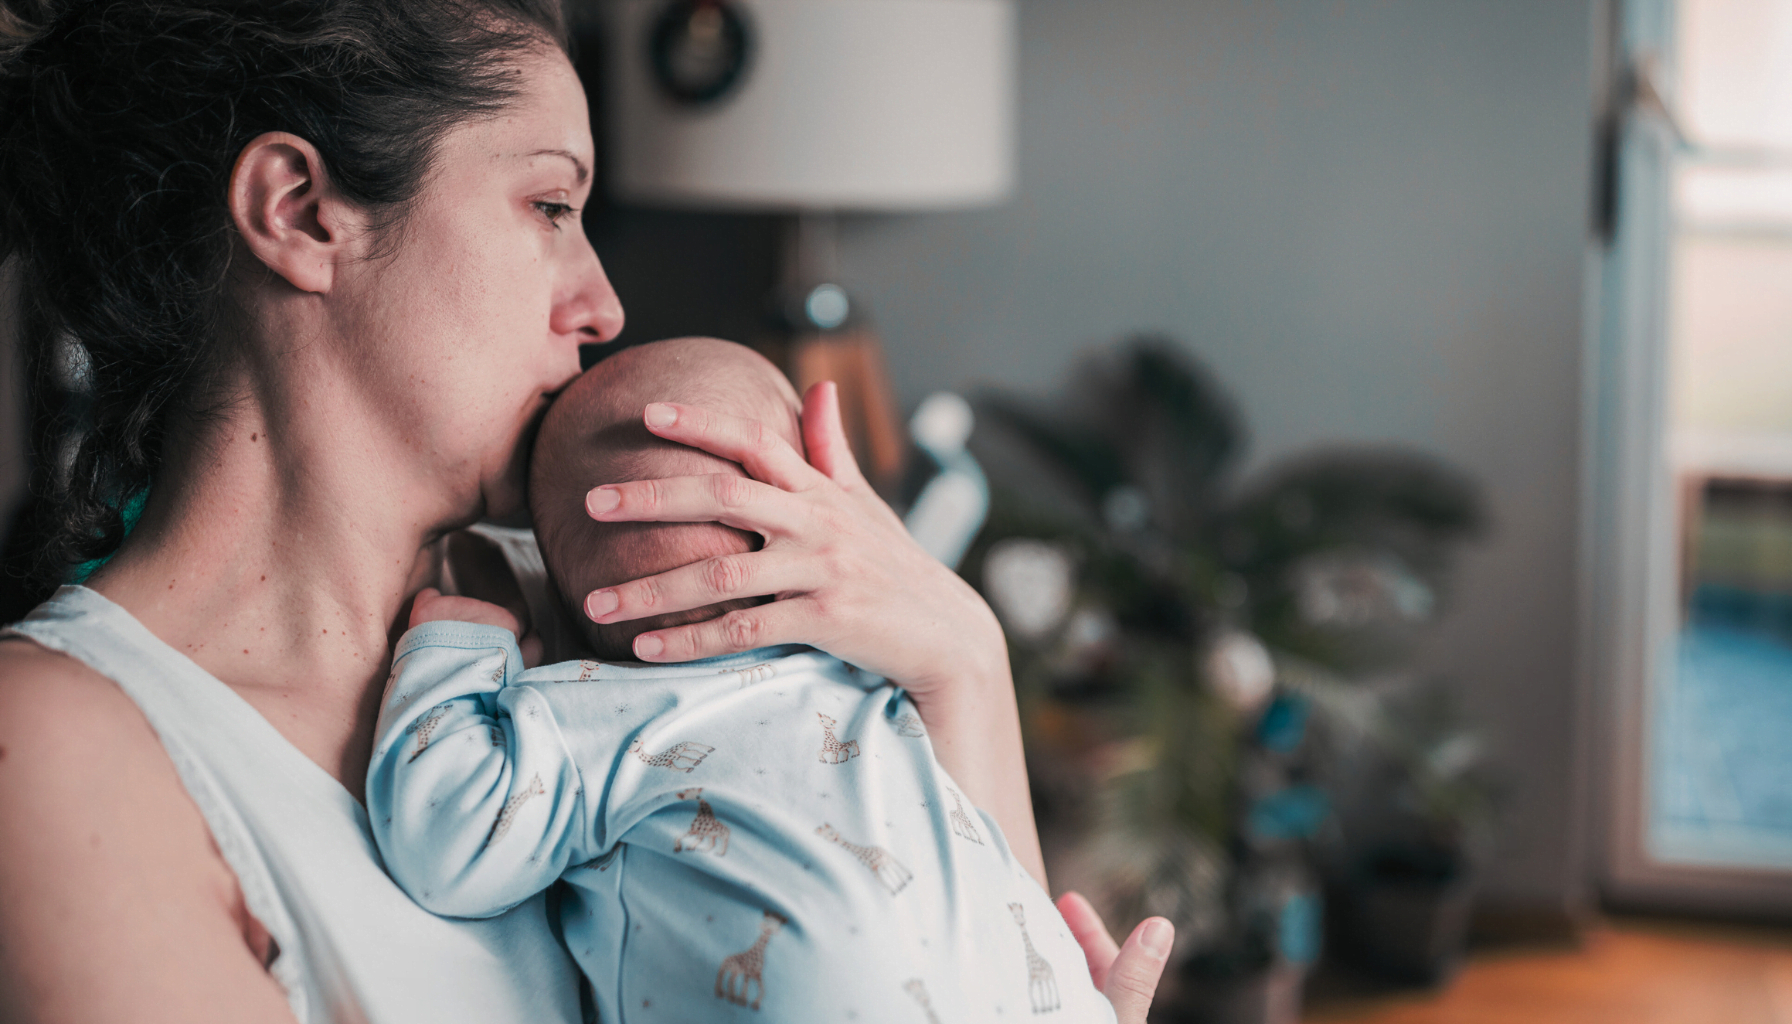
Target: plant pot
[1268, 996]
[1409, 916]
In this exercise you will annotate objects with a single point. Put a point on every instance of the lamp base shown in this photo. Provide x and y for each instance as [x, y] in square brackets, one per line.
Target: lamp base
[820, 335]
[854, 360]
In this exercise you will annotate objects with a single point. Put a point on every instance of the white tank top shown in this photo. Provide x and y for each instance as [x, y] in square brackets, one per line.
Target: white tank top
[352, 947]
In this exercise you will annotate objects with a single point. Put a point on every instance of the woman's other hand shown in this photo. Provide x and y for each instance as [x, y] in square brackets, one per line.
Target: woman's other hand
[1127, 974]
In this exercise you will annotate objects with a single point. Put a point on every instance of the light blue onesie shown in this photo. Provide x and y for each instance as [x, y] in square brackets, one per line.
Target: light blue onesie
[765, 836]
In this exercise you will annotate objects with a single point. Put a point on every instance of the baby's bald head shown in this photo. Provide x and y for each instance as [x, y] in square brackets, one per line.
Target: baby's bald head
[593, 435]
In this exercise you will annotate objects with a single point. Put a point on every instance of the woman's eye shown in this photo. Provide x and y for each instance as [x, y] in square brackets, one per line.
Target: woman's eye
[553, 211]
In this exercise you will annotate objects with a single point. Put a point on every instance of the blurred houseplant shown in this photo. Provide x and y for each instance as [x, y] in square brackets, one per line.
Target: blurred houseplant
[1418, 811]
[1172, 635]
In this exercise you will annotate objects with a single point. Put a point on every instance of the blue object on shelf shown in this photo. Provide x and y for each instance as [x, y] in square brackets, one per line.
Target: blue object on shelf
[1298, 929]
[1284, 724]
[953, 505]
[1292, 813]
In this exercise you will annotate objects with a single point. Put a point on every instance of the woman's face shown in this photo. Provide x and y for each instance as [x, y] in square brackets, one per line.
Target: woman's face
[489, 289]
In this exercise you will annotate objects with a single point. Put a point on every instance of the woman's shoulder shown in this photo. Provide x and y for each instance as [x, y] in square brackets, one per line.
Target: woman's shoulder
[104, 819]
[46, 693]
[77, 756]
[70, 739]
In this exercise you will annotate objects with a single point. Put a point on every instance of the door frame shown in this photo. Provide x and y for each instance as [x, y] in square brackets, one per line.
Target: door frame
[1629, 528]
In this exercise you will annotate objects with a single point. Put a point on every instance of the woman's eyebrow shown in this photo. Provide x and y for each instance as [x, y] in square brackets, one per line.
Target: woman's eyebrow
[584, 172]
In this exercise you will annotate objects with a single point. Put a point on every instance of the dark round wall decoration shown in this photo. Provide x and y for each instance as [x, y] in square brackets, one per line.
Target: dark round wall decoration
[698, 49]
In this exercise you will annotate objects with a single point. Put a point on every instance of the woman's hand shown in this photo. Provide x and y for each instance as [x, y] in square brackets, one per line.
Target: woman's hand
[1127, 974]
[848, 579]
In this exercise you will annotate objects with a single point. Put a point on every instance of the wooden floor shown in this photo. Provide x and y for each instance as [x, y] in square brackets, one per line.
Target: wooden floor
[1624, 972]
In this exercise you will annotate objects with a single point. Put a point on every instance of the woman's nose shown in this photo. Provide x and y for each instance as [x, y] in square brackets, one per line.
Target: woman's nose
[590, 305]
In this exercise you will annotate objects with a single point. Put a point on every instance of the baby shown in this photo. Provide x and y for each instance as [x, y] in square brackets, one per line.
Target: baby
[760, 836]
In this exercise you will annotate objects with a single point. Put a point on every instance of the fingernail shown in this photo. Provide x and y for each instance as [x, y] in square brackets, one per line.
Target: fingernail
[600, 603]
[659, 414]
[647, 646]
[602, 499]
[1157, 937]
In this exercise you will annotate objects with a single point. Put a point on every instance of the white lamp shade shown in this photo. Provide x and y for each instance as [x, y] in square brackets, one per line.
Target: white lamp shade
[842, 104]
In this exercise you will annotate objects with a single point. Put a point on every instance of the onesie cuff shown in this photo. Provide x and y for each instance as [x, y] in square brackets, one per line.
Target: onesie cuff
[466, 636]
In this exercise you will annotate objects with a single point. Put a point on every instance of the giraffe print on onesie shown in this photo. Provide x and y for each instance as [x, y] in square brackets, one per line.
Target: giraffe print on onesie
[833, 751]
[706, 833]
[885, 867]
[753, 674]
[425, 727]
[1042, 985]
[961, 822]
[508, 814]
[738, 839]
[740, 977]
[917, 989]
[680, 757]
[908, 725]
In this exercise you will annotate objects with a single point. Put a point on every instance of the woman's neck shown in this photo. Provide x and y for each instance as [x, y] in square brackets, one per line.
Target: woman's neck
[278, 552]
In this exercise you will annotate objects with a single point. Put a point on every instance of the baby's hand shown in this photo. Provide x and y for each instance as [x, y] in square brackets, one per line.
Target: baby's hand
[431, 605]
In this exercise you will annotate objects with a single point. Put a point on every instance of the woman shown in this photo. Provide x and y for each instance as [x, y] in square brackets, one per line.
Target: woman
[323, 263]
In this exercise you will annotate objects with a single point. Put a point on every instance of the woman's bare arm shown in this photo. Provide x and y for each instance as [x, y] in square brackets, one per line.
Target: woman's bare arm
[114, 903]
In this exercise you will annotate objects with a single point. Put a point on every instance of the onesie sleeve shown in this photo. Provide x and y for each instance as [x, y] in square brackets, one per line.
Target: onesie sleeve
[475, 803]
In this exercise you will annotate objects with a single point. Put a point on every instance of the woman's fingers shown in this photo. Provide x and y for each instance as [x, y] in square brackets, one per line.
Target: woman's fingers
[762, 626]
[824, 435]
[1132, 980]
[753, 444]
[718, 497]
[1127, 974]
[1085, 924]
[697, 585]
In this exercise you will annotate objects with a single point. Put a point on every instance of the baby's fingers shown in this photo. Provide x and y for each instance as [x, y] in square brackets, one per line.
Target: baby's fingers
[779, 622]
[753, 444]
[431, 605]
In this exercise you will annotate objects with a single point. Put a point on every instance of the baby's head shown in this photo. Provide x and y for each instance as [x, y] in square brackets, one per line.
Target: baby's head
[593, 435]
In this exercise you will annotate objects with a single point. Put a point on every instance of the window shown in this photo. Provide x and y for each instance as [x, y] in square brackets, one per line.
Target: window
[1721, 753]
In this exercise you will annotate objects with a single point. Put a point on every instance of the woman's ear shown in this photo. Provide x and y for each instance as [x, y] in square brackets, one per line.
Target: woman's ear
[287, 212]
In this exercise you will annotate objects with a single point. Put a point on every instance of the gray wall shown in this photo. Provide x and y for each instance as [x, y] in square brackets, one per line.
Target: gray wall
[1370, 219]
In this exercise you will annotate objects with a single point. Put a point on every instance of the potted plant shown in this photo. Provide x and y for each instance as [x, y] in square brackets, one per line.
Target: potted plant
[1161, 617]
[1409, 886]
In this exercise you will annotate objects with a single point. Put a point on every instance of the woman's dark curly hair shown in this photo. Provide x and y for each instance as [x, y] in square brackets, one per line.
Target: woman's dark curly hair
[120, 123]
